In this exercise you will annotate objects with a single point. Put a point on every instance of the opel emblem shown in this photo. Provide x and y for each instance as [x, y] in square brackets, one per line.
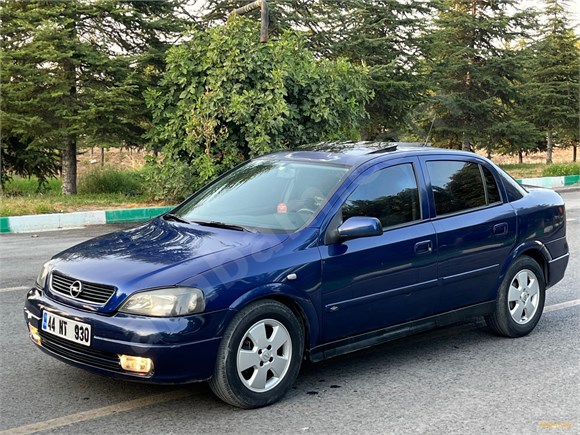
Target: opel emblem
[75, 289]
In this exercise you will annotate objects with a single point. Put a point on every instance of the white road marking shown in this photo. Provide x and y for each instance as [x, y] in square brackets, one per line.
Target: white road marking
[561, 306]
[13, 289]
[97, 413]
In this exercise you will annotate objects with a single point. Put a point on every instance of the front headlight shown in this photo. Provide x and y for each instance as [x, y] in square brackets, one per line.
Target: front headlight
[165, 302]
[41, 278]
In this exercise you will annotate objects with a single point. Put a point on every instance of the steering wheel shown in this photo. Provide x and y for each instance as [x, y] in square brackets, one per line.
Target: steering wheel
[305, 210]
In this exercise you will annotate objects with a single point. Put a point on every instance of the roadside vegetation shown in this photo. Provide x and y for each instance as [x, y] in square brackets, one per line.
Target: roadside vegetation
[100, 189]
[111, 188]
[113, 181]
[196, 89]
[523, 170]
[563, 169]
[57, 203]
[535, 170]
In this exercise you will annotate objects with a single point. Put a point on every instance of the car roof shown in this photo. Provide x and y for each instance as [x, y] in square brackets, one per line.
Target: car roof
[354, 153]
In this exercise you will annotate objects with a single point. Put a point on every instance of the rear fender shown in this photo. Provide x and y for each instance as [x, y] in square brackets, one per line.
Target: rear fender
[533, 248]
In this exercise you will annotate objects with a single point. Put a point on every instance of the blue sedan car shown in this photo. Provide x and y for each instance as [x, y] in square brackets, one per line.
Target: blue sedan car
[304, 254]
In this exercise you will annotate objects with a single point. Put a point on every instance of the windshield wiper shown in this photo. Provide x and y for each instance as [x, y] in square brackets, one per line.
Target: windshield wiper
[217, 224]
[174, 217]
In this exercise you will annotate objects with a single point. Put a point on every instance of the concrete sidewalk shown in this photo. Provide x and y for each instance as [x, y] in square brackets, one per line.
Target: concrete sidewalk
[57, 221]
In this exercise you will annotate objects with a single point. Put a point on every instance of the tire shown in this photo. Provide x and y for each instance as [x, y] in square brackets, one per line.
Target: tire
[259, 356]
[520, 300]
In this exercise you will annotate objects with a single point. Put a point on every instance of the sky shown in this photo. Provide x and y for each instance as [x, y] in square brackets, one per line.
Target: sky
[574, 6]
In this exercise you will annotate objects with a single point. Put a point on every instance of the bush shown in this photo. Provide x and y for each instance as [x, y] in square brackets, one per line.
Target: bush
[224, 97]
[562, 169]
[172, 181]
[108, 180]
[20, 186]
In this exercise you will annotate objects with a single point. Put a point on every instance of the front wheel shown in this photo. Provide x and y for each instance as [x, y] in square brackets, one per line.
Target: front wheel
[520, 299]
[260, 355]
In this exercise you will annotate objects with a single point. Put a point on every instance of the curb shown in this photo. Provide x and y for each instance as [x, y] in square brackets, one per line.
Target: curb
[58, 221]
[551, 182]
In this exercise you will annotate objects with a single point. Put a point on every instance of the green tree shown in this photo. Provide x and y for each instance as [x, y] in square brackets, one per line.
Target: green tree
[74, 72]
[16, 157]
[389, 37]
[385, 35]
[225, 98]
[553, 84]
[475, 73]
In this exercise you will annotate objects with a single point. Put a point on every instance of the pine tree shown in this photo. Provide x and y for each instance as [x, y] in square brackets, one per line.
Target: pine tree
[74, 71]
[388, 36]
[474, 73]
[553, 86]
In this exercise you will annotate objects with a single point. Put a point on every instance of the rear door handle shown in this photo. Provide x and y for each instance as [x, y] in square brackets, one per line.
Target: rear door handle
[424, 247]
[500, 229]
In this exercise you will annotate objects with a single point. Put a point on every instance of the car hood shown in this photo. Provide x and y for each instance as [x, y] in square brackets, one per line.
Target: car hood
[157, 254]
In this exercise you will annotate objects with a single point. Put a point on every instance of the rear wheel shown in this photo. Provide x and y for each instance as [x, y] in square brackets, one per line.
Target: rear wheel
[260, 355]
[520, 300]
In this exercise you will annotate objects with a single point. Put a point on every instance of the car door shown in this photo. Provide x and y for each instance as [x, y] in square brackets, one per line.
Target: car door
[475, 229]
[374, 282]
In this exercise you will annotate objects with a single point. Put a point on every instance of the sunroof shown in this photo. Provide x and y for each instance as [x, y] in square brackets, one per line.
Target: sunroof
[349, 148]
[359, 147]
[389, 147]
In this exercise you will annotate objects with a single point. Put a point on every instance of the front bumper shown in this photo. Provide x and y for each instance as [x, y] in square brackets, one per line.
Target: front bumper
[183, 349]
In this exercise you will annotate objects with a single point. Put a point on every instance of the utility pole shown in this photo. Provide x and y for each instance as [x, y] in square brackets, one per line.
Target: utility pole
[264, 18]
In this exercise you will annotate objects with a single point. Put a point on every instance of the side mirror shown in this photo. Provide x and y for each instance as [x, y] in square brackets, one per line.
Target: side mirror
[360, 226]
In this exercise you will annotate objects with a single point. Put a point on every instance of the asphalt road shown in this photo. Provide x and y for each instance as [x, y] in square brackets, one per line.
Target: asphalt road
[459, 380]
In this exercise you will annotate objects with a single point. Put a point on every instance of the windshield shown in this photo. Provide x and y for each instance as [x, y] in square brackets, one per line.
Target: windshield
[265, 195]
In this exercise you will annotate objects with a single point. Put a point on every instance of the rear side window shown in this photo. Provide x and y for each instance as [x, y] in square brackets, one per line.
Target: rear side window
[491, 186]
[512, 187]
[390, 195]
[459, 186]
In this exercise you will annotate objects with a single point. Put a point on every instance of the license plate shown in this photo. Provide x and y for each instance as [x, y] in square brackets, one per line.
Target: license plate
[66, 328]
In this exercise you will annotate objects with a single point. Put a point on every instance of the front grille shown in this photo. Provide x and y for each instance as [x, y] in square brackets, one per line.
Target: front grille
[91, 292]
[79, 353]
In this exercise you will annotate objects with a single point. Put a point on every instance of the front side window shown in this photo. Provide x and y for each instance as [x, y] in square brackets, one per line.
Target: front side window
[459, 186]
[390, 195]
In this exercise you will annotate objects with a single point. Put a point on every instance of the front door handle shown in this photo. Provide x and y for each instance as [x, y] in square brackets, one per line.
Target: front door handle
[424, 247]
[500, 229]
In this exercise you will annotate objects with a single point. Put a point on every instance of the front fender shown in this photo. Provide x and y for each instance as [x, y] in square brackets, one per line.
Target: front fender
[290, 296]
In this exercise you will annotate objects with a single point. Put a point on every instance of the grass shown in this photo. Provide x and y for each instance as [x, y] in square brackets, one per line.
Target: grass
[110, 180]
[562, 170]
[51, 203]
[20, 196]
[534, 170]
[525, 170]
[29, 186]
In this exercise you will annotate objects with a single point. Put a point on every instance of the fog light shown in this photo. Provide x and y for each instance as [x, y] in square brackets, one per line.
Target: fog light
[136, 364]
[34, 335]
